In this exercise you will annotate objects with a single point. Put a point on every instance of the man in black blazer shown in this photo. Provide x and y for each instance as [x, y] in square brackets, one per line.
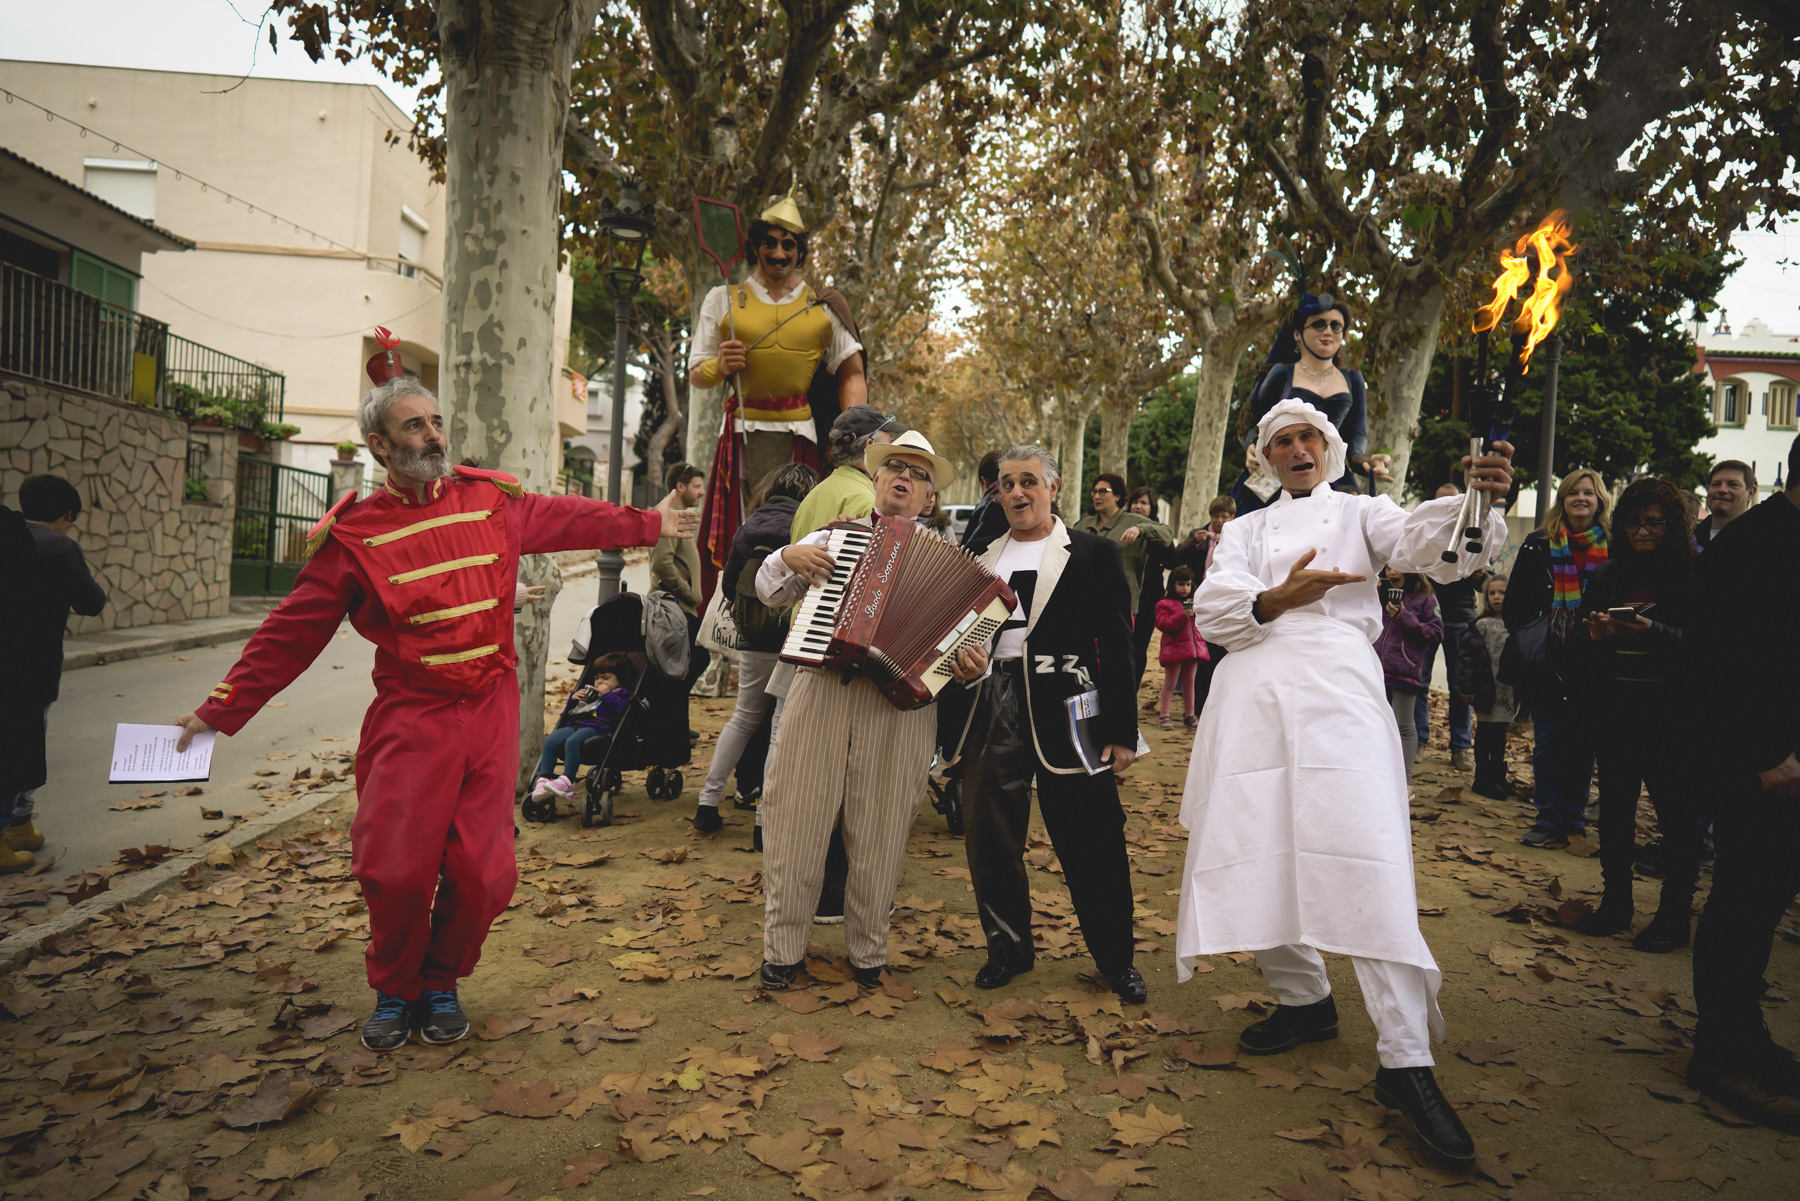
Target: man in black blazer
[1071, 634]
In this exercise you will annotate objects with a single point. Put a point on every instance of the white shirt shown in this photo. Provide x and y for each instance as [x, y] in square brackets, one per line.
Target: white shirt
[1016, 556]
[705, 344]
[1356, 534]
[777, 584]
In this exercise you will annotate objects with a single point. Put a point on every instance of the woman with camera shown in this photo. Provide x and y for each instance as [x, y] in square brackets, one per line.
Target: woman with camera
[1624, 660]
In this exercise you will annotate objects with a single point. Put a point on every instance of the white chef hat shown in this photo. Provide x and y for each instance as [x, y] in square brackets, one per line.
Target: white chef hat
[1294, 411]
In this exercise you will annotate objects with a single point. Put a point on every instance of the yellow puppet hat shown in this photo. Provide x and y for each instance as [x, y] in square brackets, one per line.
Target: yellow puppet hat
[786, 214]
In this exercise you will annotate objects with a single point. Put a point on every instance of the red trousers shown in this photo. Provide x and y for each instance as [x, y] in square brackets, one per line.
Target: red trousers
[432, 844]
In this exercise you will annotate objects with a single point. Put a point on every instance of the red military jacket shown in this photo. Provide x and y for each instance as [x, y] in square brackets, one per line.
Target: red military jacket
[429, 584]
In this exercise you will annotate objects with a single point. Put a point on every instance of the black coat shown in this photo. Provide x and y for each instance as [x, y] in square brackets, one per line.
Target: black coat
[21, 709]
[1078, 639]
[1599, 668]
[1743, 641]
[764, 532]
[986, 523]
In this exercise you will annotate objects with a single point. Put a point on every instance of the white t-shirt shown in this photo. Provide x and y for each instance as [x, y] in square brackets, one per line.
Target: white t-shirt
[1018, 566]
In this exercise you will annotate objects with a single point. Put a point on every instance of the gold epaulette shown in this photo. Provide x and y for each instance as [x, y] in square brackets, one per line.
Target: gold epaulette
[315, 537]
[508, 484]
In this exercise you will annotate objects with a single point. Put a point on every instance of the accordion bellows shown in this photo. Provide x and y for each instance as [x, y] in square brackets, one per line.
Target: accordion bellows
[901, 602]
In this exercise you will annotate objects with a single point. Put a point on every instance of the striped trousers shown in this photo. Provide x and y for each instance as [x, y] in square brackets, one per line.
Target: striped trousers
[843, 751]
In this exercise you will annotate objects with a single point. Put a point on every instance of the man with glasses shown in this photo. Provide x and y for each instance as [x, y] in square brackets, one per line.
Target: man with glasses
[771, 334]
[1134, 535]
[844, 752]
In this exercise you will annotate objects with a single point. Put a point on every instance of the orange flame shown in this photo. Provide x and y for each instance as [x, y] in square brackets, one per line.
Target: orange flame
[1548, 248]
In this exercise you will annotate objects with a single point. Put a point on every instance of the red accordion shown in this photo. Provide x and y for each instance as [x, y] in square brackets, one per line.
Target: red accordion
[898, 606]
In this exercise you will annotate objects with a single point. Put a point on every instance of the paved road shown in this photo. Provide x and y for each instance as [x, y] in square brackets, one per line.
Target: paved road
[327, 701]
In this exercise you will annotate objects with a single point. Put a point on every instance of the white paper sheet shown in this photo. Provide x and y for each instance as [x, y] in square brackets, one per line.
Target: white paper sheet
[146, 754]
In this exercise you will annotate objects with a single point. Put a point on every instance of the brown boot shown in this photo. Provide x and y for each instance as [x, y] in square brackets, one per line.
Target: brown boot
[23, 836]
[14, 861]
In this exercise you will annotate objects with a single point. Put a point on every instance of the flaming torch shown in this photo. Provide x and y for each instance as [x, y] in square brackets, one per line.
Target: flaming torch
[1538, 270]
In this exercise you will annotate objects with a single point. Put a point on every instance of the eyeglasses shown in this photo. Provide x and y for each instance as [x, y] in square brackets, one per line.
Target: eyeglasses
[1647, 524]
[922, 474]
[1319, 327]
[1103, 492]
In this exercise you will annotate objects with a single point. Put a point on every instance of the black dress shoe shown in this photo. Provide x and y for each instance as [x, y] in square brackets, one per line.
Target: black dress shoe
[1289, 1026]
[1610, 918]
[1129, 984]
[996, 972]
[1427, 1114]
[778, 978]
[707, 819]
[869, 977]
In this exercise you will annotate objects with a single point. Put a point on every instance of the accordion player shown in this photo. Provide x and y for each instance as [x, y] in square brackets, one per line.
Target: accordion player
[899, 605]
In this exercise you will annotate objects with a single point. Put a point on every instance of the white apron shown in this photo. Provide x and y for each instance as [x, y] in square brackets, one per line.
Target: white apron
[1296, 807]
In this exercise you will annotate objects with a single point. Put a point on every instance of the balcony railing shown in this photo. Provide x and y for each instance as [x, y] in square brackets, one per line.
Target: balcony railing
[51, 332]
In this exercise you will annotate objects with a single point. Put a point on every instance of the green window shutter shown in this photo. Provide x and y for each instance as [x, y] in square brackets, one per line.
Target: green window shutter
[102, 279]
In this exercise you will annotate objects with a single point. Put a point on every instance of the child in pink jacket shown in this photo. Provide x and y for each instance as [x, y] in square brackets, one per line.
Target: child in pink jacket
[1182, 647]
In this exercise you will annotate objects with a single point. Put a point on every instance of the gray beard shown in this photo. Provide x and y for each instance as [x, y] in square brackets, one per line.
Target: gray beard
[420, 465]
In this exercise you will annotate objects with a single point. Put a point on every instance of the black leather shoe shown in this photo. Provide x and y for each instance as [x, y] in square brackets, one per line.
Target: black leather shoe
[869, 977]
[1289, 1026]
[1763, 1090]
[996, 972]
[778, 978]
[756, 839]
[707, 819]
[1129, 984]
[1665, 933]
[1414, 1092]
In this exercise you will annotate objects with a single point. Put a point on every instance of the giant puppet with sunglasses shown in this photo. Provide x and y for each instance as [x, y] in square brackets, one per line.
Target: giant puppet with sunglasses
[1304, 362]
[792, 354]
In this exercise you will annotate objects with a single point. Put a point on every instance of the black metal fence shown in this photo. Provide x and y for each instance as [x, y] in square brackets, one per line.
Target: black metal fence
[51, 332]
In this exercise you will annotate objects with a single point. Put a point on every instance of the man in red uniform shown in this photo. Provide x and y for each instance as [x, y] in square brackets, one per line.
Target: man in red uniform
[424, 568]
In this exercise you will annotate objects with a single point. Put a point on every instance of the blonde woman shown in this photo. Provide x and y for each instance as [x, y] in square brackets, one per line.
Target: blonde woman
[1551, 572]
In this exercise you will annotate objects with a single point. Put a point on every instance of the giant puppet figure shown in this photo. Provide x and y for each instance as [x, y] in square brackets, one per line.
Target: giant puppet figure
[770, 338]
[425, 570]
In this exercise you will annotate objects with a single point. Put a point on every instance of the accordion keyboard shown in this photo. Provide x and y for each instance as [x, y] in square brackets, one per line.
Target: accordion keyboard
[816, 620]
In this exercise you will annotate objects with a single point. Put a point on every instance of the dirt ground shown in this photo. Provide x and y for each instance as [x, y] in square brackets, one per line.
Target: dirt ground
[203, 1045]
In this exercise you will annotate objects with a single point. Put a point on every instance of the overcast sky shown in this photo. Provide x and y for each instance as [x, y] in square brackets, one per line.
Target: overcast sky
[211, 36]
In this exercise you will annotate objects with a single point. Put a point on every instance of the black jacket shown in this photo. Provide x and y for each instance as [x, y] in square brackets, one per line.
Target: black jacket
[1743, 641]
[61, 583]
[986, 523]
[764, 532]
[21, 712]
[1623, 664]
[1530, 587]
[1078, 639]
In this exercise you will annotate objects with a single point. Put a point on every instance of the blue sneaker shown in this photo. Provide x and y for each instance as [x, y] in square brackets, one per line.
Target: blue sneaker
[388, 1026]
[441, 1018]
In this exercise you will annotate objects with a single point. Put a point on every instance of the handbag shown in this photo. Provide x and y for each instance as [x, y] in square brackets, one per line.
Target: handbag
[1527, 661]
[718, 632]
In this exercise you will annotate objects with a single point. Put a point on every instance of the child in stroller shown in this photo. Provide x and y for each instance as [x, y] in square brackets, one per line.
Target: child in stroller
[593, 709]
[651, 731]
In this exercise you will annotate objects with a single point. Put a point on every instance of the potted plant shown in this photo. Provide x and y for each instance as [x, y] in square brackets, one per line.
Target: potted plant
[346, 451]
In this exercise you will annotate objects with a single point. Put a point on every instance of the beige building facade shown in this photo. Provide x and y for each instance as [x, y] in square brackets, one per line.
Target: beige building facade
[313, 223]
[1754, 375]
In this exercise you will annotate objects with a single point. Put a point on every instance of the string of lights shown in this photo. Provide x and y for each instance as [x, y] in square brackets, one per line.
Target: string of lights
[206, 187]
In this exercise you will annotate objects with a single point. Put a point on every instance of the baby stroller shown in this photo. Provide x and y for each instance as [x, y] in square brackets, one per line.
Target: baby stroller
[653, 732]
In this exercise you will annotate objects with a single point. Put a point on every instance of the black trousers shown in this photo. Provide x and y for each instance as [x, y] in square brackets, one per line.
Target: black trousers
[1755, 878]
[1490, 753]
[1635, 751]
[1081, 813]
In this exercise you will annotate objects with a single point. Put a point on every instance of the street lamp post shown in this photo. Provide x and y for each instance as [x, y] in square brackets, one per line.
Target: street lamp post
[628, 229]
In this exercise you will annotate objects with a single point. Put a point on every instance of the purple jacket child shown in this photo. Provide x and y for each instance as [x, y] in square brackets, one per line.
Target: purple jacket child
[603, 717]
[1406, 638]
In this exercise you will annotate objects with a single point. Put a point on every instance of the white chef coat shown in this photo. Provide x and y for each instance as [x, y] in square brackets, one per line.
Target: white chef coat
[1296, 803]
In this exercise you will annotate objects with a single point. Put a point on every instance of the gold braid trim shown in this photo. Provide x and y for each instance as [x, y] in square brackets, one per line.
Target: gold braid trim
[316, 539]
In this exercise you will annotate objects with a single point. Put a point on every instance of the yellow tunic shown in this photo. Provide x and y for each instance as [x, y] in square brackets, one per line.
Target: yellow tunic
[783, 357]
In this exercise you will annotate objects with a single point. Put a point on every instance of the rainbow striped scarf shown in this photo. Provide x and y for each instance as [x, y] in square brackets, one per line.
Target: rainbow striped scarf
[1567, 578]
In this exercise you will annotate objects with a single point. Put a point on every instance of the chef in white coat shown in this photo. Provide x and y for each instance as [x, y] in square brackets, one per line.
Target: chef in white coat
[1299, 840]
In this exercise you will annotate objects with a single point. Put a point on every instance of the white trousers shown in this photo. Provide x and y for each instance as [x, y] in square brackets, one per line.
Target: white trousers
[1397, 996]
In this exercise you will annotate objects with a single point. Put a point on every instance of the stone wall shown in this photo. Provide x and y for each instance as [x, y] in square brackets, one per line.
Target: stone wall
[160, 556]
